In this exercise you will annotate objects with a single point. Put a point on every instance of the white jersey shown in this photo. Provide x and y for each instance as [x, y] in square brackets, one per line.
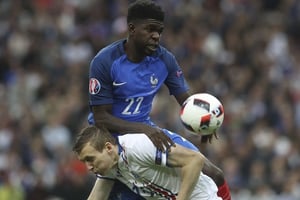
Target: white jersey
[143, 169]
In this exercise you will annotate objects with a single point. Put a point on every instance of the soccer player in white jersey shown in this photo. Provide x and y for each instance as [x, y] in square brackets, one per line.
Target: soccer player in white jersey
[134, 160]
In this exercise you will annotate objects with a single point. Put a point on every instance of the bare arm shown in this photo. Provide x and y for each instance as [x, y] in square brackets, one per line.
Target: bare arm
[101, 189]
[103, 117]
[180, 98]
[213, 172]
[191, 164]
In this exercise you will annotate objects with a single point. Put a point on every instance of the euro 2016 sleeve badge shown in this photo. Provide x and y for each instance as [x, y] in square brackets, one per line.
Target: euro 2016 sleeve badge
[94, 86]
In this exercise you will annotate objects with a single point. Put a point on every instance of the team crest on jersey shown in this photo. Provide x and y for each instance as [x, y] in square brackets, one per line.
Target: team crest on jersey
[153, 80]
[94, 86]
[179, 73]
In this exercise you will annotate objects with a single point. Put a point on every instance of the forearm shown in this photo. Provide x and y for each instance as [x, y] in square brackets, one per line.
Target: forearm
[182, 97]
[118, 125]
[213, 172]
[189, 178]
[190, 163]
[114, 124]
[104, 118]
[101, 190]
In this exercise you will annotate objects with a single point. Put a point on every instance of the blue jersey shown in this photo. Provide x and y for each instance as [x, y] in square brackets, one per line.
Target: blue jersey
[130, 87]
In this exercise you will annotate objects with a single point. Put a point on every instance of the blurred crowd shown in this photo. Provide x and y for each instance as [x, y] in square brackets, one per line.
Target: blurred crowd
[245, 52]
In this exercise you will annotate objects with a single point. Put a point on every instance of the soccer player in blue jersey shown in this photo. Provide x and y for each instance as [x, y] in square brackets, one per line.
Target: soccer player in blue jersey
[136, 162]
[124, 78]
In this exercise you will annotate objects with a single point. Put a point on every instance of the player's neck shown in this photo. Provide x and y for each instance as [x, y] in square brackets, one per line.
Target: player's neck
[115, 156]
[132, 53]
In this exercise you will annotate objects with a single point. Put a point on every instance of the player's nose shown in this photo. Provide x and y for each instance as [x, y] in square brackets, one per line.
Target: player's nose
[89, 166]
[156, 35]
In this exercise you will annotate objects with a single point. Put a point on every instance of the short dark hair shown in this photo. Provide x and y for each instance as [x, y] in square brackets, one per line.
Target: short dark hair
[145, 9]
[97, 137]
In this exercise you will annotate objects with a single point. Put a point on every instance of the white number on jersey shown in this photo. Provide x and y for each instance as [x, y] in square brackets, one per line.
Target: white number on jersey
[137, 102]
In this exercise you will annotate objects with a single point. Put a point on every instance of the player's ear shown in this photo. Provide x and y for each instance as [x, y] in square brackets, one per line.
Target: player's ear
[131, 27]
[108, 146]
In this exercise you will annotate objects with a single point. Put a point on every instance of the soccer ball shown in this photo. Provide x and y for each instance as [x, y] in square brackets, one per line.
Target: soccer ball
[202, 114]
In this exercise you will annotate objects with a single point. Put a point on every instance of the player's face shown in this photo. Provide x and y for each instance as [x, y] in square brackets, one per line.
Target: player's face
[96, 161]
[146, 35]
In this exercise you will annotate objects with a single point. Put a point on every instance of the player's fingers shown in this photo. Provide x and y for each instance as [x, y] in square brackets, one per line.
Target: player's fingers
[159, 144]
[169, 147]
[165, 137]
[164, 141]
[167, 140]
[156, 140]
[169, 143]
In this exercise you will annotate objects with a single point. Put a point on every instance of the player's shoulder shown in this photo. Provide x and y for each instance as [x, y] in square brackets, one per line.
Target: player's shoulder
[164, 53]
[134, 140]
[111, 52]
[166, 57]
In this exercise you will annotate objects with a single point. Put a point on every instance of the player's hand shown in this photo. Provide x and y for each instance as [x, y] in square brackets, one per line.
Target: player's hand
[160, 140]
[208, 138]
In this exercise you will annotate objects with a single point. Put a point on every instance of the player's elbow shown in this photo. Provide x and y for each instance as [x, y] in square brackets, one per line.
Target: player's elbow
[214, 172]
[102, 119]
[102, 116]
[218, 176]
[198, 160]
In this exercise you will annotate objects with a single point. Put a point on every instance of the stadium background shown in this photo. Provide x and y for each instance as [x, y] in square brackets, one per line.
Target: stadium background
[246, 52]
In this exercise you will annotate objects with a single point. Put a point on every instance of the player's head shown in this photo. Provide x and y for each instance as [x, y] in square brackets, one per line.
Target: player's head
[145, 24]
[96, 148]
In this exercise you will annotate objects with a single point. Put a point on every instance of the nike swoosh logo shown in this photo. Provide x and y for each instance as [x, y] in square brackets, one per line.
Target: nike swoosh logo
[118, 84]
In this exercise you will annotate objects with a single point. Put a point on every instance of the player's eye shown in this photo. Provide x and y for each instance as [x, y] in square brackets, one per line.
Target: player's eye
[160, 30]
[89, 159]
[151, 29]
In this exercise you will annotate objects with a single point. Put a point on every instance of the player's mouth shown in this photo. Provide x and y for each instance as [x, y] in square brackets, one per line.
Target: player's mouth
[151, 47]
[97, 173]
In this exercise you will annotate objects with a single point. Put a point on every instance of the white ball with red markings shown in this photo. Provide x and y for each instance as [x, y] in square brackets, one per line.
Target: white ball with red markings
[202, 114]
